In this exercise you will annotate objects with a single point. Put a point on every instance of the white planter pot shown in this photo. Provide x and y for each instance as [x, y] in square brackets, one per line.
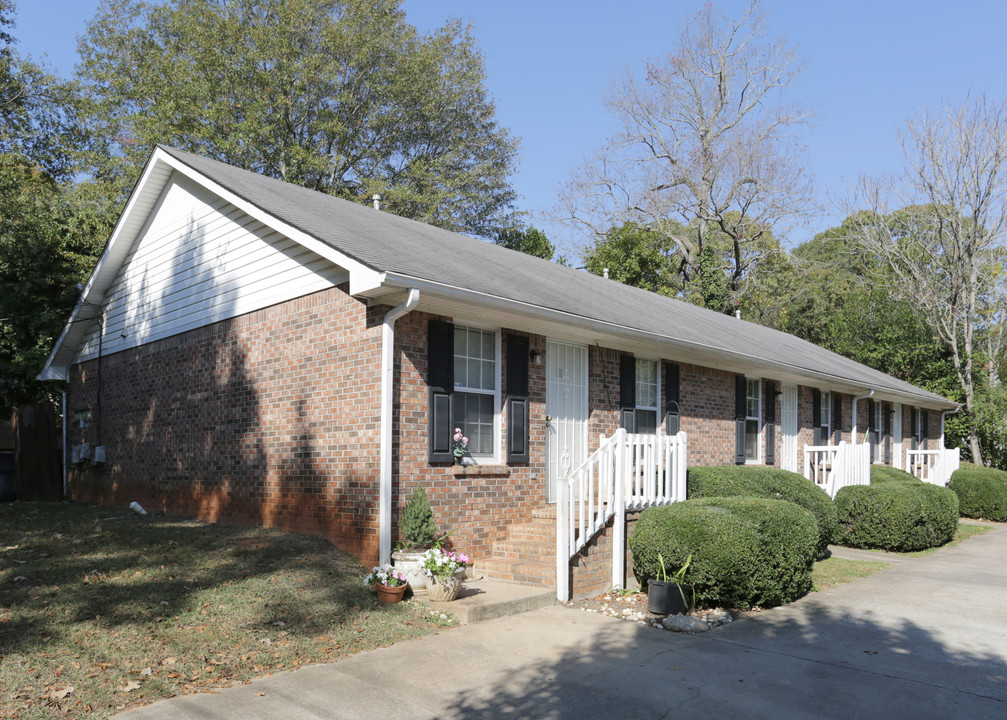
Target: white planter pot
[411, 564]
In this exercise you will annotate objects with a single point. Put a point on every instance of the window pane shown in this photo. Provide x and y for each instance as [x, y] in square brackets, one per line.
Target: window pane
[461, 336]
[486, 381]
[646, 383]
[488, 351]
[752, 399]
[646, 422]
[826, 409]
[752, 440]
[475, 359]
[474, 415]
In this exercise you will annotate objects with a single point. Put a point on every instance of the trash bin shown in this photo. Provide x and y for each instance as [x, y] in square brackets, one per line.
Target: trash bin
[6, 476]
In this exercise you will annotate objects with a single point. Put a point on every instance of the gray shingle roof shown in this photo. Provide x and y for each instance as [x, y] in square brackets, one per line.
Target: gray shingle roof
[387, 243]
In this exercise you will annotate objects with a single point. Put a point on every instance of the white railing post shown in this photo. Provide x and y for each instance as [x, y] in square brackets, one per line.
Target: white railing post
[563, 542]
[619, 523]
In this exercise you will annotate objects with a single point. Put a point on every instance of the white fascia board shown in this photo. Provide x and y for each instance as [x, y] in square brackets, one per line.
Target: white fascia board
[733, 361]
[362, 278]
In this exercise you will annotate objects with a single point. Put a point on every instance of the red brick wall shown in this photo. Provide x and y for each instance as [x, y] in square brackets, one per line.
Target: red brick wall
[268, 419]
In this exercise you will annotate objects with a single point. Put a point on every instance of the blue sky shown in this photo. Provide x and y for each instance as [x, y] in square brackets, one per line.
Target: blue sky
[870, 66]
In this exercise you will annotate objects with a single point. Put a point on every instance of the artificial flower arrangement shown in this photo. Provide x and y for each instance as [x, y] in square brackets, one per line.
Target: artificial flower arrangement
[385, 575]
[460, 444]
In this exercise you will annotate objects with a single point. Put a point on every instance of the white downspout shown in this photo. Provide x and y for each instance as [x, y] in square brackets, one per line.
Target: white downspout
[387, 392]
[944, 415]
[66, 420]
[858, 398]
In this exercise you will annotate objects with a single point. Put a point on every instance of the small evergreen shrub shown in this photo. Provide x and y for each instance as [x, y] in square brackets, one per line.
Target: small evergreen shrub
[767, 482]
[981, 491]
[417, 524]
[896, 515]
[746, 551]
[881, 474]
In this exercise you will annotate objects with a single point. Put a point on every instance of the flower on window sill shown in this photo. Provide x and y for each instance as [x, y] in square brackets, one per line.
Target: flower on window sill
[459, 444]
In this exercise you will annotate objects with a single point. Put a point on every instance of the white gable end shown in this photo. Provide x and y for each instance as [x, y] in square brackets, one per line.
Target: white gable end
[199, 260]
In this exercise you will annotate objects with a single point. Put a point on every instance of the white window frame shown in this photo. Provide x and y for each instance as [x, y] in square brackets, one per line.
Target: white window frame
[657, 392]
[758, 420]
[495, 456]
[826, 413]
[877, 426]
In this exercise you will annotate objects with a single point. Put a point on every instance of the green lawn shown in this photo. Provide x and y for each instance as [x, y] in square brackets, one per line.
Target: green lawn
[102, 609]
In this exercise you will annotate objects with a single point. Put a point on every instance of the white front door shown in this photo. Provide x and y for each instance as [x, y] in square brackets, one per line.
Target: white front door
[566, 410]
[897, 436]
[788, 427]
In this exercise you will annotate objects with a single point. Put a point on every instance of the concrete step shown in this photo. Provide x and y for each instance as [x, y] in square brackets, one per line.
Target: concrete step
[525, 572]
[484, 599]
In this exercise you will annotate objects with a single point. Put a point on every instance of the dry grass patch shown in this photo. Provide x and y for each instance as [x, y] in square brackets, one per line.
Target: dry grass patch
[834, 571]
[101, 610]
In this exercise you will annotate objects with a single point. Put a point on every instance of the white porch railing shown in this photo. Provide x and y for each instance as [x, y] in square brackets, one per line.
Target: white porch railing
[832, 467]
[626, 472]
[933, 466]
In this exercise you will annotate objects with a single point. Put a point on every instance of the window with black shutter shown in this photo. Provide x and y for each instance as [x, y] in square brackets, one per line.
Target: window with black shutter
[673, 408]
[517, 398]
[770, 422]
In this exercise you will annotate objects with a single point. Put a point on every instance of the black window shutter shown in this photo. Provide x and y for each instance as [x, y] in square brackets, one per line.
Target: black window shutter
[837, 417]
[441, 382]
[886, 413]
[770, 402]
[517, 429]
[923, 430]
[870, 425]
[816, 416]
[912, 428]
[517, 398]
[740, 415]
[673, 411]
[517, 365]
[627, 392]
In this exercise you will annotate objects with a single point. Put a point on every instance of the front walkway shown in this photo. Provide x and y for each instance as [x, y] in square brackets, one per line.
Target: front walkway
[924, 639]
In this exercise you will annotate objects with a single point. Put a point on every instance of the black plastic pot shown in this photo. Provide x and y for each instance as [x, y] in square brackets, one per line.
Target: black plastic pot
[665, 598]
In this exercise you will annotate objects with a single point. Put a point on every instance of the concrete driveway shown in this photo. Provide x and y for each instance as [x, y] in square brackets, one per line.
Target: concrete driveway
[924, 639]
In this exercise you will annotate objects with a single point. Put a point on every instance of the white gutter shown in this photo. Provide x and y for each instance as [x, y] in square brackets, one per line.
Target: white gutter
[387, 393]
[858, 398]
[944, 414]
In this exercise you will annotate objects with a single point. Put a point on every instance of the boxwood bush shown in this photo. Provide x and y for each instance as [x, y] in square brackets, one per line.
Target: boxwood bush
[896, 515]
[881, 474]
[981, 491]
[746, 551]
[766, 482]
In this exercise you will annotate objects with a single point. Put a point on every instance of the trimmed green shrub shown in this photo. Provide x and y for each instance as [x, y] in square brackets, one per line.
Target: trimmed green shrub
[766, 482]
[746, 551]
[896, 515]
[981, 491]
[417, 525]
[881, 474]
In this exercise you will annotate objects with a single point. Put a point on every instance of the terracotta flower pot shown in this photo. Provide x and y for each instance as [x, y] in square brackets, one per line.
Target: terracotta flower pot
[444, 589]
[390, 595]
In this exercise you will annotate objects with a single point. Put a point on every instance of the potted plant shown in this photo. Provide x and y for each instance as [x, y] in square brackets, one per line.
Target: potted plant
[667, 595]
[444, 570]
[418, 533]
[460, 448]
[389, 582]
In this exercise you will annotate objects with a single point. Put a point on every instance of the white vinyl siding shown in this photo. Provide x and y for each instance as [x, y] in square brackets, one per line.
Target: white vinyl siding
[198, 261]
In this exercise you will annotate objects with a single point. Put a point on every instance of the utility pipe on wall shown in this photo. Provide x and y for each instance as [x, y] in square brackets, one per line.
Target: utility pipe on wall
[858, 398]
[387, 394]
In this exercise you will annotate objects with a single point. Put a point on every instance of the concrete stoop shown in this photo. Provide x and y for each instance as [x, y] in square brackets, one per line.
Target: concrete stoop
[484, 599]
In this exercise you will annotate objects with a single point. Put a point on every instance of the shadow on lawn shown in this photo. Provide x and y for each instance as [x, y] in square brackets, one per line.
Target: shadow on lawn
[97, 566]
[826, 664]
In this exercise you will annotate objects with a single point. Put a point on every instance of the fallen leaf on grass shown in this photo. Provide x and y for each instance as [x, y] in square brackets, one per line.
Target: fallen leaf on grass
[146, 671]
[169, 661]
[130, 686]
[60, 694]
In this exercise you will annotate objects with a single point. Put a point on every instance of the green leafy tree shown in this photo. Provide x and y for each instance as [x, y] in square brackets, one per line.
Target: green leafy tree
[341, 96]
[636, 256]
[50, 229]
[530, 241]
